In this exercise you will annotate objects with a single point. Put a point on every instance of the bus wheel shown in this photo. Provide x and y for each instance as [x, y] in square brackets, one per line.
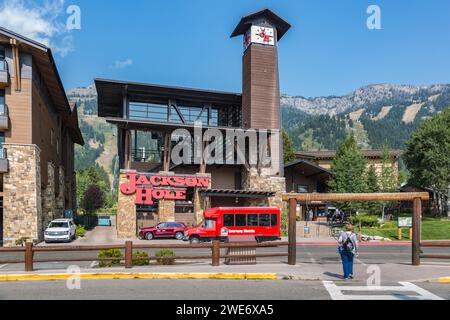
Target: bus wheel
[194, 240]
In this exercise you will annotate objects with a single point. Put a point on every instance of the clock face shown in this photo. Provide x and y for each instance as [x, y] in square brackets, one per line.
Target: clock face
[260, 35]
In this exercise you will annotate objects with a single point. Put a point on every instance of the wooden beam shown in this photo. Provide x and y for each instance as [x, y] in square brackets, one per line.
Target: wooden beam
[16, 58]
[292, 250]
[417, 217]
[337, 197]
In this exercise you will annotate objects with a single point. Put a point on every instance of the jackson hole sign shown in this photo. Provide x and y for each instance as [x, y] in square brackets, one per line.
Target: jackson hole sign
[149, 188]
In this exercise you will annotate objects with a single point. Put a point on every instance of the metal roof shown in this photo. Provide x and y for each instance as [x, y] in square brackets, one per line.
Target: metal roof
[281, 25]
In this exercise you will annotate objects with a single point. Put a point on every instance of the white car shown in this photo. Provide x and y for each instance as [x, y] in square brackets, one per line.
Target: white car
[61, 230]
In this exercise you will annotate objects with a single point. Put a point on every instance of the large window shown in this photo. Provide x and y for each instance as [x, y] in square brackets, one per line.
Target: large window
[146, 146]
[2, 103]
[148, 112]
[2, 59]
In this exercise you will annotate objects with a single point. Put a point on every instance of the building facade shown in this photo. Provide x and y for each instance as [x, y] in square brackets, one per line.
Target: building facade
[38, 130]
[154, 122]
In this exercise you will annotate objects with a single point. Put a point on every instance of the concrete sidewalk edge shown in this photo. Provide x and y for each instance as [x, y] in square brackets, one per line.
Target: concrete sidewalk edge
[122, 275]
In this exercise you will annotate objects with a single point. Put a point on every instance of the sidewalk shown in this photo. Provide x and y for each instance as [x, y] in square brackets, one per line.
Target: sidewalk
[332, 272]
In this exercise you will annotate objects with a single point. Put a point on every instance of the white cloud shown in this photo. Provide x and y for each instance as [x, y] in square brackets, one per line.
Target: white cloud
[41, 23]
[122, 64]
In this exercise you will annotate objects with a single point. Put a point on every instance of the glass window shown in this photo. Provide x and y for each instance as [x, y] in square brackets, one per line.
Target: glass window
[264, 220]
[146, 111]
[2, 59]
[274, 221]
[302, 189]
[145, 147]
[252, 220]
[228, 220]
[2, 102]
[208, 224]
[241, 220]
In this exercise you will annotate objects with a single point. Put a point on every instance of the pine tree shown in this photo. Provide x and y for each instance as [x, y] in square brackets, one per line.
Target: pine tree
[288, 146]
[349, 169]
[389, 180]
[372, 187]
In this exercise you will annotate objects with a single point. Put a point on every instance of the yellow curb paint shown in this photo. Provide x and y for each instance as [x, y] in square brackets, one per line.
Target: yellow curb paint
[223, 276]
[444, 280]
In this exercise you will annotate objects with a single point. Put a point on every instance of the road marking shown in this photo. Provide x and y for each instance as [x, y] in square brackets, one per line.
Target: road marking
[2, 266]
[93, 264]
[444, 280]
[338, 292]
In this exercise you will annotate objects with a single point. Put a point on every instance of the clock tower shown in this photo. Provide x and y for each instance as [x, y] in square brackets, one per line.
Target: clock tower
[261, 89]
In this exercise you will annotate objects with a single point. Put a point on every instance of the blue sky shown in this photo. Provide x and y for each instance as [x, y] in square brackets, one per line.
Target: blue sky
[328, 51]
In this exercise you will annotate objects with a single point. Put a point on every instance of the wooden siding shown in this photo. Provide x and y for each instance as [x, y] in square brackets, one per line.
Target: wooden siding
[19, 107]
[261, 93]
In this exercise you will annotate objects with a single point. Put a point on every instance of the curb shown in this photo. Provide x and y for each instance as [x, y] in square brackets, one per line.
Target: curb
[444, 280]
[117, 276]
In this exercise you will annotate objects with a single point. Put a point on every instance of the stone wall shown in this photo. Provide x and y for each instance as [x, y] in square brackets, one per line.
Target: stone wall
[199, 204]
[126, 212]
[48, 197]
[252, 180]
[22, 211]
[61, 197]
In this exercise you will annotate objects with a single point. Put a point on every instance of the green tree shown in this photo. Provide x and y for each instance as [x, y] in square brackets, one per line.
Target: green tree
[349, 169]
[427, 158]
[288, 147]
[389, 179]
[372, 187]
[97, 176]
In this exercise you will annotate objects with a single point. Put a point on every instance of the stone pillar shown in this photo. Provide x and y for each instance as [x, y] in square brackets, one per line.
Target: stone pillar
[22, 211]
[126, 212]
[61, 197]
[254, 181]
[48, 197]
[199, 205]
[166, 211]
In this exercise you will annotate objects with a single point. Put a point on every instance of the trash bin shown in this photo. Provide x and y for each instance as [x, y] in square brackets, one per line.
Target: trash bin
[242, 255]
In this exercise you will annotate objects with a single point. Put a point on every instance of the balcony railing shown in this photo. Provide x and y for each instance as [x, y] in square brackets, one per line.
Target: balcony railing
[3, 65]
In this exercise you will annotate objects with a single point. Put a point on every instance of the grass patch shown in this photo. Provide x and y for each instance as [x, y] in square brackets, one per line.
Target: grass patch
[432, 229]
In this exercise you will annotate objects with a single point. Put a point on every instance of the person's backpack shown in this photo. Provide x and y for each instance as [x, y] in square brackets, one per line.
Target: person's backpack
[348, 243]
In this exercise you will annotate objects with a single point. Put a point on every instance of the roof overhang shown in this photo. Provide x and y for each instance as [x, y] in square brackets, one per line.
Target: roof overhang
[281, 25]
[111, 94]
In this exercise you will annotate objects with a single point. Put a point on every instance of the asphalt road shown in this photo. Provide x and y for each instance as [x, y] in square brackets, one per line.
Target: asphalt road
[183, 290]
[371, 254]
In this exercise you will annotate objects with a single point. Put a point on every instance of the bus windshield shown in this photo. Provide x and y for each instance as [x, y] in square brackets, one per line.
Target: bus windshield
[207, 224]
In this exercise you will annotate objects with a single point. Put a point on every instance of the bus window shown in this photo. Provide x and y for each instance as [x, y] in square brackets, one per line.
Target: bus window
[241, 220]
[274, 220]
[208, 224]
[252, 220]
[264, 220]
[228, 220]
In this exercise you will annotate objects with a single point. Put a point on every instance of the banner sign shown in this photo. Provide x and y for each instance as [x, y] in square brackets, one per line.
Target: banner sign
[149, 188]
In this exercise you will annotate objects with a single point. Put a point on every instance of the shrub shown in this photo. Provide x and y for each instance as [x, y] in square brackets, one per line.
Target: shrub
[284, 223]
[21, 242]
[165, 257]
[366, 221]
[389, 225]
[140, 254]
[111, 253]
[81, 231]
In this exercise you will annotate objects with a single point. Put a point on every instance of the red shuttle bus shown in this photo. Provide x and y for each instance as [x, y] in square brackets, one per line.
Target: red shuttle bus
[224, 223]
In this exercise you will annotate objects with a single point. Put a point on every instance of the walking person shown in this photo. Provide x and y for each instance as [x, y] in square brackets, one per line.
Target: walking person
[348, 249]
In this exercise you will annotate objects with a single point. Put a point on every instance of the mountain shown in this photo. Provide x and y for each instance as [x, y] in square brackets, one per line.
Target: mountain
[376, 114]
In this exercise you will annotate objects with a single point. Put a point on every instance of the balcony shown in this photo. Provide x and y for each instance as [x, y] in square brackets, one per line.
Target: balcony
[4, 167]
[4, 75]
[4, 117]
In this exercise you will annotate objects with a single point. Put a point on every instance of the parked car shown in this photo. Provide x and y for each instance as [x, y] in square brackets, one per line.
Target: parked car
[61, 230]
[164, 230]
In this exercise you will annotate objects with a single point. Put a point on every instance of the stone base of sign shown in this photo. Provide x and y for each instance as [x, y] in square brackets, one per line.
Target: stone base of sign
[255, 181]
[126, 212]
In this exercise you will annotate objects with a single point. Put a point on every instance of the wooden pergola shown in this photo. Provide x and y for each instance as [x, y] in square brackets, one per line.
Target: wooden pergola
[415, 197]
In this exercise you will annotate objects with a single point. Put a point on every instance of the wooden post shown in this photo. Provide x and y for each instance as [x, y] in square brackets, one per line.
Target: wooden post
[128, 255]
[399, 233]
[29, 257]
[417, 216]
[292, 259]
[216, 253]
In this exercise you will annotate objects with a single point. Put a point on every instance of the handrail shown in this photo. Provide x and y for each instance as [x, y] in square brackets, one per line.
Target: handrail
[128, 247]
